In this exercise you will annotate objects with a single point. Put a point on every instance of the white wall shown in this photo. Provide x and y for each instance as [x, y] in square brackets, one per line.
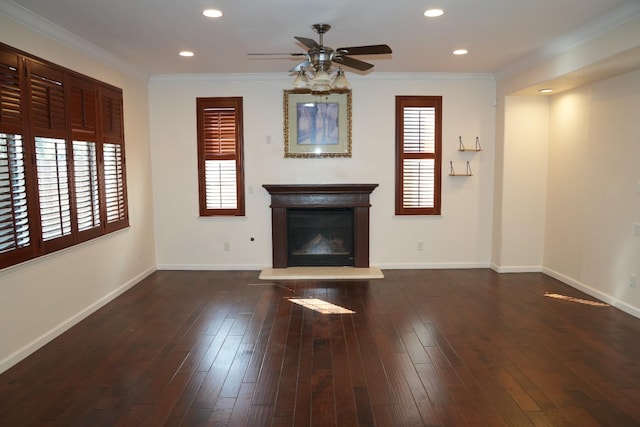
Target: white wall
[461, 237]
[593, 199]
[41, 298]
[523, 185]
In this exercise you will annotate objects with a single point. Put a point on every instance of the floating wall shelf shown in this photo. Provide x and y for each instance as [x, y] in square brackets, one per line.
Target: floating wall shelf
[453, 172]
[476, 148]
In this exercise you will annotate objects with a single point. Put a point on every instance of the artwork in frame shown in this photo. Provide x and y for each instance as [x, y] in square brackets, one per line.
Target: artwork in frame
[317, 124]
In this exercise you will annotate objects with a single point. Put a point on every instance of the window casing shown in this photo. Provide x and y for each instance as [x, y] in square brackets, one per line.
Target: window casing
[220, 156]
[418, 155]
[57, 129]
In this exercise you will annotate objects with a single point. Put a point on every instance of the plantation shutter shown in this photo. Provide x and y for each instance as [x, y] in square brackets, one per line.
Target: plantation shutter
[49, 123]
[53, 187]
[15, 235]
[418, 142]
[14, 215]
[219, 138]
[112, 135]
[11, 109]
[47, 101]
[62, 158]
[83, 112]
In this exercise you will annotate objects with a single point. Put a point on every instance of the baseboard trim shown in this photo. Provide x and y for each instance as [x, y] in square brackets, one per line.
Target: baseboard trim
[48, 336]
[431, 266]
[213, 267]
[627, 308]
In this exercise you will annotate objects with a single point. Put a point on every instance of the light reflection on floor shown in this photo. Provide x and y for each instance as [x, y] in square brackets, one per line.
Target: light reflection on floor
[578, 300]
[321, 306]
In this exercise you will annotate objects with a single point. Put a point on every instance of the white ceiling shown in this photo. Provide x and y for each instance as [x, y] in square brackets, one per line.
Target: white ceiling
[149, 33]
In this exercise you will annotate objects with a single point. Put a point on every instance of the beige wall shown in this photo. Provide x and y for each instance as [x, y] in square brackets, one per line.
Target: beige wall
[41, 298]
[594, 200]
[522, 205]
[461, 237]
[566, 202]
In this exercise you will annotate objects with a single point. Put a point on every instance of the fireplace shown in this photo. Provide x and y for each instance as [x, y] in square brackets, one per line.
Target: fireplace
[320, 225]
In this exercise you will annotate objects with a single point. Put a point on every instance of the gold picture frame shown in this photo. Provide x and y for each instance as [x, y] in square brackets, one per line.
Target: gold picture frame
[317, 124]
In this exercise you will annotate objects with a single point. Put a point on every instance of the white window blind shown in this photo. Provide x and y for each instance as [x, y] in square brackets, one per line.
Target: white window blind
[14, 215]
[85, 167]
[53, 187]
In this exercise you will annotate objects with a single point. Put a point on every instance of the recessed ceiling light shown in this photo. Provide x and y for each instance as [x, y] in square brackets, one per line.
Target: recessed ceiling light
[212, 13]
[186, 53]
[433, 13]
[460, 52]
[545, 90]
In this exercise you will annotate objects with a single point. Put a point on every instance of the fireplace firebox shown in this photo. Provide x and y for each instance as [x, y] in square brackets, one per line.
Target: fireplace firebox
[320, 237]
[320, 225]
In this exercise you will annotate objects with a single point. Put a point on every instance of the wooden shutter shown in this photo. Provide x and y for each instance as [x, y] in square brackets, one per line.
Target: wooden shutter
[83, 111]
[53, 187]
[418, 157]
[220, 156]
[14, 215]
[85, 170]
[113, 165]
[15, 232]
[11, 108]
[114, 183]
[47, 95]
[62, 160]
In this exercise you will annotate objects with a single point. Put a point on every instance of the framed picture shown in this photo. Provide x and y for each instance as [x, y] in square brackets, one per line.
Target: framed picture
[317, 124]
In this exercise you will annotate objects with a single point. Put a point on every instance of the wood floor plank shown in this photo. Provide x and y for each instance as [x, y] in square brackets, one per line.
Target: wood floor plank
[423, 348]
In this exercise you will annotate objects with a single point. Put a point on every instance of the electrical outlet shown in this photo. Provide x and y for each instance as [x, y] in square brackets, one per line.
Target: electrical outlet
[420, 246]
[227, 246]
[636, 228]
[633, 281]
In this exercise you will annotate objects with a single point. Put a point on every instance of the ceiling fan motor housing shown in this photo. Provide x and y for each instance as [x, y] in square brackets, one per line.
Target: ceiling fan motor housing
[321, 58]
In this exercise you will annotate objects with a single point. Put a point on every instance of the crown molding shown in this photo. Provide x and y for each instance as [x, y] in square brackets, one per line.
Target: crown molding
[602, 24]
[34, 22]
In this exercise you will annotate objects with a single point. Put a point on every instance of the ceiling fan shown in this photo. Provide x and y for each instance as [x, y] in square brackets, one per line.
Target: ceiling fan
[320, 57]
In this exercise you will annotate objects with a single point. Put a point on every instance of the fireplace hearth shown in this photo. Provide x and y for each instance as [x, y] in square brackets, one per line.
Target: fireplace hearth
[320, 225]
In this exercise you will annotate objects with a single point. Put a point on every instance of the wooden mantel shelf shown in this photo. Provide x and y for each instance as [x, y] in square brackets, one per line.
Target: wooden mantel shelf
[319, 196]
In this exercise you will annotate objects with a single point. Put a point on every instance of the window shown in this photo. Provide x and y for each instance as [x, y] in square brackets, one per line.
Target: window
[220, 166]
[62, 177]
[418, 154]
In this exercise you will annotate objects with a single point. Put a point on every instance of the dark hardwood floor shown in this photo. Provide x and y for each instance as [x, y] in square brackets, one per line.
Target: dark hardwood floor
[424, 348]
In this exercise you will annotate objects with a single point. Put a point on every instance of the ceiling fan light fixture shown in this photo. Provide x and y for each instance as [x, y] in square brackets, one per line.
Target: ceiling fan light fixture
[321, 82]
[340, 80]
[301, 81]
